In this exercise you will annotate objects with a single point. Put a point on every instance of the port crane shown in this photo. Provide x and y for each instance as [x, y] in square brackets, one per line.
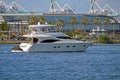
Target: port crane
[16, 7]
[13, 7]
[99, 10]
[106, 10]
[56, 8]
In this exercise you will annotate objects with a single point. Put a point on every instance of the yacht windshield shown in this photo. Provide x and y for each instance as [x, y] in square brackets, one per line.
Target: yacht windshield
[48, 29]
[35, 40]
[32, 40]
[31, 29]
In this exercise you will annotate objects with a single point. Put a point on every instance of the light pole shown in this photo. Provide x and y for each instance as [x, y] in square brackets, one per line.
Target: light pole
[9, 35]
[102, 24]
[113, 30]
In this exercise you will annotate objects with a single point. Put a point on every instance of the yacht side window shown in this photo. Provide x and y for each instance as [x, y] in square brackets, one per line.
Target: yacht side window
[53, 29]
[49, 30]
[42, 29]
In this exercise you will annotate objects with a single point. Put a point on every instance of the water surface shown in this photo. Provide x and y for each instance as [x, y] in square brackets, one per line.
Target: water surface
[98, 62]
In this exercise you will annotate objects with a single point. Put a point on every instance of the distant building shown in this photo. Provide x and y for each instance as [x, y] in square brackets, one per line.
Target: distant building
[1, 19]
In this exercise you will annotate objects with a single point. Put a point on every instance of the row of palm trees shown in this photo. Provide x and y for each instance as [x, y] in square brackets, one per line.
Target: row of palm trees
[59, 22]
[73, 20]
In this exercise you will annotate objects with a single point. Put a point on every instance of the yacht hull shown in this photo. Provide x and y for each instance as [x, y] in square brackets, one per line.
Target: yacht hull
[56, 47]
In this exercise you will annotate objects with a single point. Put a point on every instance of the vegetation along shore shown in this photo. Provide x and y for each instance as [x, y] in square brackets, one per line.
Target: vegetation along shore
[10, 35]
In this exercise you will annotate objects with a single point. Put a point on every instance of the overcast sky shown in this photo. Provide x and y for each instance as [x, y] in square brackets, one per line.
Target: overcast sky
[80, 6]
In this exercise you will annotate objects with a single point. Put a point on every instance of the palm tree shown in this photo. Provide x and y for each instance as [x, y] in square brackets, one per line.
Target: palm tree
[4, 27]
[106, 21]
[73, 21]
[42, 20]
[96, 21]
[1, 28]
[33, 20]
[60, 23]
[85, 22]
[49, 22]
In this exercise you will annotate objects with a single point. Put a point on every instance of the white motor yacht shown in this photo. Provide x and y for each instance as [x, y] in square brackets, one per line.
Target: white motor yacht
[98, 31]
[46, 38]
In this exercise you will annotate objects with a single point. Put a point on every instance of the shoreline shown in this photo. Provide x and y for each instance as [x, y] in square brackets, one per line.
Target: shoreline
[18, 42]
[11, 42]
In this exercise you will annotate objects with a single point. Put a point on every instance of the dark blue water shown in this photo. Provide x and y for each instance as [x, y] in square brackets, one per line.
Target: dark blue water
[98, 62]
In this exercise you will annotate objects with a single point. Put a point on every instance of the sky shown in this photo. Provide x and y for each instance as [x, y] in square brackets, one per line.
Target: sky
[79, 6]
